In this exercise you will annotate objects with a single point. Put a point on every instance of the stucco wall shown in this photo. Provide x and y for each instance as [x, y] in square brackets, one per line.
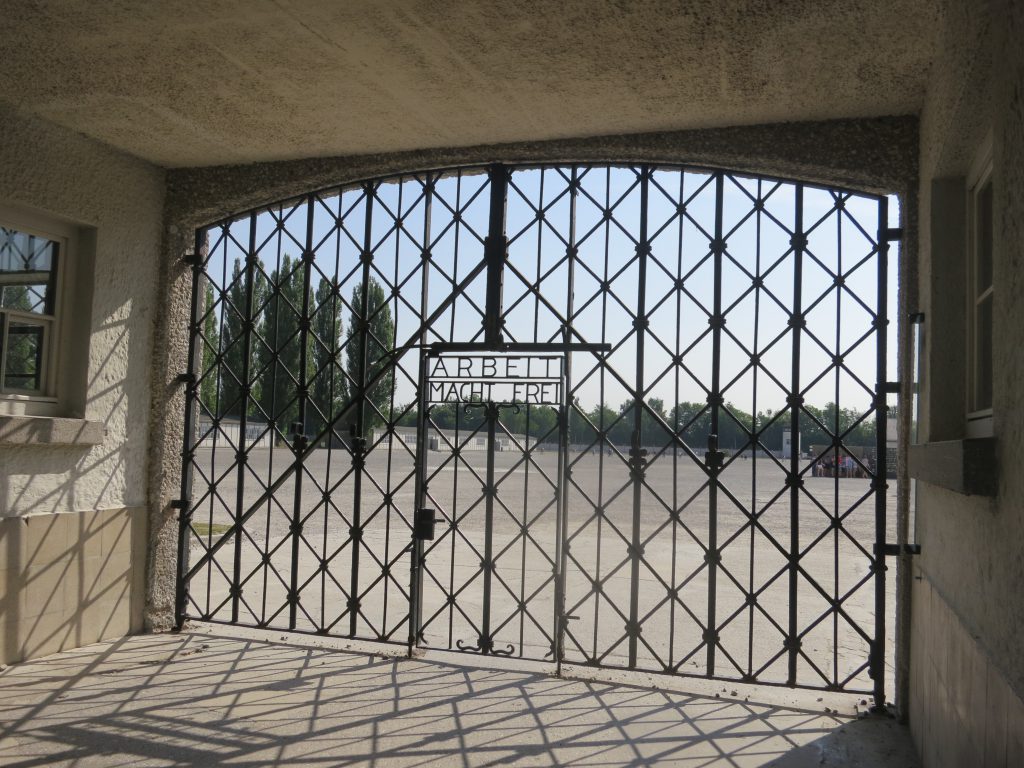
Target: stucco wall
[972, 561]
[118, 203]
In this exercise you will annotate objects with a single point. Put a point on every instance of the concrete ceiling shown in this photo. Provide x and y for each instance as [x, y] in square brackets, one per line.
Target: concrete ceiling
[203, 83]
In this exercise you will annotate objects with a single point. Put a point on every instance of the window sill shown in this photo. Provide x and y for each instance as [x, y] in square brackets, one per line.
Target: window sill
[964, 466]
[48, 430]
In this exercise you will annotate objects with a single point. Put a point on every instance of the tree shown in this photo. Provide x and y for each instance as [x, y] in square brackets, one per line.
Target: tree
[694, 421]
[232, 386]
[651, 431]
[24, 342]
[281, 355]
[582, 433]
[211, 347]
[370, 335]
[537, 421]
[329, 393]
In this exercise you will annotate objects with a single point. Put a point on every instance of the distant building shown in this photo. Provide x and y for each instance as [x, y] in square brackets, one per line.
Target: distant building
[444, 439]
[787, 444]
[227, 431]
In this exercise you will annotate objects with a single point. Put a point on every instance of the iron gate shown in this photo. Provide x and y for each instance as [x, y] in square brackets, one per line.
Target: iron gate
[705, 497]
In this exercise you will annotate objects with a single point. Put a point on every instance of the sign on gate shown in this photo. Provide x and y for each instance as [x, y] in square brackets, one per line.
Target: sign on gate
[495, 378]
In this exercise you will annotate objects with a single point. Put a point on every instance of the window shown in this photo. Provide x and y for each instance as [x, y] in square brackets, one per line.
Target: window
[980, 299]
[33, 258]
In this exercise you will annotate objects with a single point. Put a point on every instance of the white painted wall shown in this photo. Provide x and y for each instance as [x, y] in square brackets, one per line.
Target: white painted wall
[967, 662]
[118, 201]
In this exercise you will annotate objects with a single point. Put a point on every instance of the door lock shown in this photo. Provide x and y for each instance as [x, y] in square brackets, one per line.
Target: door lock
[423, 525]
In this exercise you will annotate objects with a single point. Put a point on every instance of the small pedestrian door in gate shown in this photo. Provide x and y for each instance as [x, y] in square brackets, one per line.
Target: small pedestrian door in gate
[491, 458]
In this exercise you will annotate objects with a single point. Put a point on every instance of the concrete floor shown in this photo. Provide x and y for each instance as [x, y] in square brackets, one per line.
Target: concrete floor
[209, 696]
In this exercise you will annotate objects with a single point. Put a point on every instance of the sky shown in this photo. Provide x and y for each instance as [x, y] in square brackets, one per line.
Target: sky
[678, 287]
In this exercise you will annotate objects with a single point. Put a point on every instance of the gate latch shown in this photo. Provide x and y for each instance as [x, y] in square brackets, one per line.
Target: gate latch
[714, 458]
[423, 525]
[893, 550]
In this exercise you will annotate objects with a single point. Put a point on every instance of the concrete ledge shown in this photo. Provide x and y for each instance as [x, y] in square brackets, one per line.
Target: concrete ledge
[964, 466]
[48, 430]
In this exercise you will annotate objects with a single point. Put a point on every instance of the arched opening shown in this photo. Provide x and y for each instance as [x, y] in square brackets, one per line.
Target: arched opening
[625, 416]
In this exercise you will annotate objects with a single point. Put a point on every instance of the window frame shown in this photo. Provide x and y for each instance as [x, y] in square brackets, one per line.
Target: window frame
[979, 421]
[47, 401]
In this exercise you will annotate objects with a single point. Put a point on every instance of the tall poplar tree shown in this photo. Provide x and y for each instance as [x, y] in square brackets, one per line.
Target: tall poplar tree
[329, 392]
[378, 342]
[211, 347]
[282, 353]
[233, 342]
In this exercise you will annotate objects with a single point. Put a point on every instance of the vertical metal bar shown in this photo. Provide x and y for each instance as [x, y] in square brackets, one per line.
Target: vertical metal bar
[526, 453]
[248, 326]
[336, 382]
[299, 428]
[495, 252]
[637, 460]
[562, 522]
[216, 412]
[420, 494]
[604, 438]
[362, 336]
[422, 423]
[453, 513]
[797, 323]
[714, 456]
[755, 426]
[676, 425]
[191, 395]
[837, 514]
[881, 458]
[275, 297]
[486, 642]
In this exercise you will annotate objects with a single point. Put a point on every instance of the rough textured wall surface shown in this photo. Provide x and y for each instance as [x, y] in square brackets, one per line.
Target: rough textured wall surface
[167, 428]
[973, 547]
[877, 155]
[874, 155]
[62, 174]
[196, 83]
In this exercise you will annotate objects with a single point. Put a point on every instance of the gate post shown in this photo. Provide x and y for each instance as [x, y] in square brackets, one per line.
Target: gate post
[495, 254]
[184, 502]
[877, 662]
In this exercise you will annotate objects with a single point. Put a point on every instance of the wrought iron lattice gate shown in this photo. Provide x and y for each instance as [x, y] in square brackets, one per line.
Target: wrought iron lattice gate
[625, 416]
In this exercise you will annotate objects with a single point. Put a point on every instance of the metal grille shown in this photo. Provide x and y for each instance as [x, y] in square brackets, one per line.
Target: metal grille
[651, 517]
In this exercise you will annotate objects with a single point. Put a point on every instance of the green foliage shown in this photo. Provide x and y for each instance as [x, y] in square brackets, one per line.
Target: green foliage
[368, 353]
[211, 346]
[233, 342]
[275, 350]
[329, 391]
[651, 430]
[537, 421]
[23, 349]
[282, 376]
[15, 297]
